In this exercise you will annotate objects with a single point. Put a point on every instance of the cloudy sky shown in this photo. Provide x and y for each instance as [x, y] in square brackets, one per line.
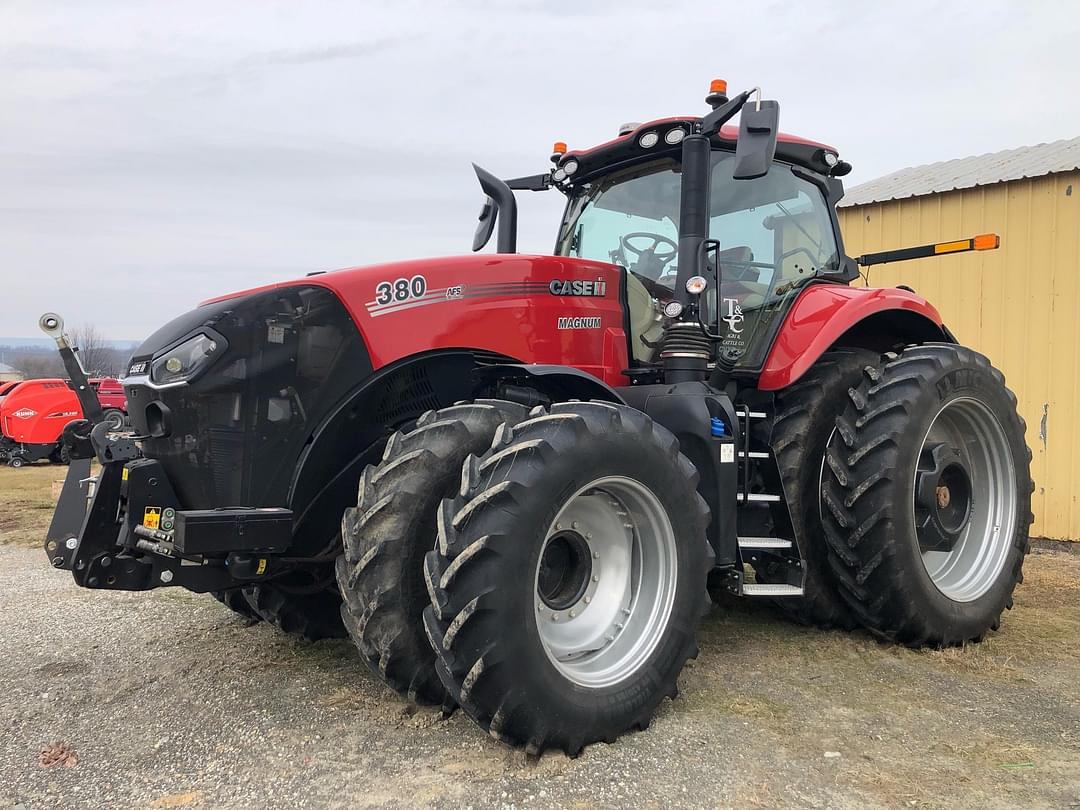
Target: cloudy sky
[153, 154]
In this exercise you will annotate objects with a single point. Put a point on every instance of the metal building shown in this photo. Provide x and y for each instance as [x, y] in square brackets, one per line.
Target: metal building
[1019, 305]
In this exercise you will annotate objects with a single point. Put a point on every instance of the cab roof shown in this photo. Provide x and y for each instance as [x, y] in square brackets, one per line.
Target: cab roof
[626, 148]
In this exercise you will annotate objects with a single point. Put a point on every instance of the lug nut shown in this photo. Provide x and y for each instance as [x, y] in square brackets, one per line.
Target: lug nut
[574, 525]
[596, 555]
[588, 600]
[588, 535]
[573, 614]
[554, 617]
[595, 578]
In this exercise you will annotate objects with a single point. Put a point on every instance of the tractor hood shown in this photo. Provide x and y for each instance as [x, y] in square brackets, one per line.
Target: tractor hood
[404, 308]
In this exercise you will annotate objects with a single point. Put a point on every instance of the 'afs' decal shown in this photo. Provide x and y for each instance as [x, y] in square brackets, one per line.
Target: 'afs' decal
[578, 287]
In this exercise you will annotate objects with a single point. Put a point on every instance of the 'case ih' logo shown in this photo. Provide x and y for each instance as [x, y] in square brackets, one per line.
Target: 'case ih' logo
[24, 413]
[137, 368]
[578, 287]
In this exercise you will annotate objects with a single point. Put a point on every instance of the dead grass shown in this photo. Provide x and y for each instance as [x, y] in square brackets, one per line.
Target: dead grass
[26, 502]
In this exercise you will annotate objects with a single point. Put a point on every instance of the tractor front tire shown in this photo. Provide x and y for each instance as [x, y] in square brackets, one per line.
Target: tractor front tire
[308, 610]
[569, 577]
[927, 497]
[804, 417]
[390, 530]
[235, 600]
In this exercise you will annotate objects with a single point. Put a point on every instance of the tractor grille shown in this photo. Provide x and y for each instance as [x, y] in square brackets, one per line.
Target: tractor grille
[485, 358]
[406, 393]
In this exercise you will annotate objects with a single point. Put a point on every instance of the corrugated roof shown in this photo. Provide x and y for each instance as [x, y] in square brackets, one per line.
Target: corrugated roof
[968, 172]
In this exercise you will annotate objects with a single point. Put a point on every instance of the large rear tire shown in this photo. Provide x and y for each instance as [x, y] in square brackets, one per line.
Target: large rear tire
[927, 497]
[569, 577]
[804, 417]
[393, 527]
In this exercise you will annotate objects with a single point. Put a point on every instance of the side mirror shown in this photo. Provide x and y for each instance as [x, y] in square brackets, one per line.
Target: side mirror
[759, 125]
[503, 208]
[486, 225]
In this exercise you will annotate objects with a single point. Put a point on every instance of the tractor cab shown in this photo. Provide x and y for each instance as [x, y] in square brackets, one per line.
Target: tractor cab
[749, 210]
[776, 234]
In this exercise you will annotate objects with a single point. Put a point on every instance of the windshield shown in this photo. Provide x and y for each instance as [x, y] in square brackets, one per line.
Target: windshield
[775, 234]
[772, 230]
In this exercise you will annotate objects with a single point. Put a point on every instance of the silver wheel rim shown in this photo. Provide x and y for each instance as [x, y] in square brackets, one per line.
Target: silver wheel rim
[601, 614]
[975, 561]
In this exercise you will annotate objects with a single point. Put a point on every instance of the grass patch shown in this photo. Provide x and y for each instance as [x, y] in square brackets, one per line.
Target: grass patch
[26, 502]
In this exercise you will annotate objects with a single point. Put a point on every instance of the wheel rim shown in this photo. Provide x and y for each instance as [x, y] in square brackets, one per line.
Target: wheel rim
[604, 585]
[965, 502]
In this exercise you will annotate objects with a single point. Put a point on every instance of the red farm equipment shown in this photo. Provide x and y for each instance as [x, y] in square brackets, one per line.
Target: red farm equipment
[515, 479]
[33, 415]
[32, 419]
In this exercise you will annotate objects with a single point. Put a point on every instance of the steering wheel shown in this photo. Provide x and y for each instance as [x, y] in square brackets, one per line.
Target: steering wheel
[649, 252]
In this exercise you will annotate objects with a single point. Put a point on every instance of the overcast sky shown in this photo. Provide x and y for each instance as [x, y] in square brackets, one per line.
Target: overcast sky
[152, 154]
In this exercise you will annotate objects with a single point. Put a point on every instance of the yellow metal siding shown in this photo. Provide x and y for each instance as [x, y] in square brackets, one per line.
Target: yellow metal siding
[1019, 305]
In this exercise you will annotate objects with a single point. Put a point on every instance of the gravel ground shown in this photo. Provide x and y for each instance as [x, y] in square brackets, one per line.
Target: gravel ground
[168, 700]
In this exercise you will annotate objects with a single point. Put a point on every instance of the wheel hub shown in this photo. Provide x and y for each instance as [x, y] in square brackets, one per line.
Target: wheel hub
[942, 497]
[565, 570]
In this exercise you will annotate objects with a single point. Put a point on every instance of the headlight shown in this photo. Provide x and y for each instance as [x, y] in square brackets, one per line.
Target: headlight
[184, 361]
[648, 140]
[675, 136]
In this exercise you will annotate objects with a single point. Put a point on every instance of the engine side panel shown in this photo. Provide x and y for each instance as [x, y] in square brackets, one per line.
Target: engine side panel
[821, 315]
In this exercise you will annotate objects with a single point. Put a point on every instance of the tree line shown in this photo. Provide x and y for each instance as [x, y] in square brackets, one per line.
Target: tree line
[97, 356]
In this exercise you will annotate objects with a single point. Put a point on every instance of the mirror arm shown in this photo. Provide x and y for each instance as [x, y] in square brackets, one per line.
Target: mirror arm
[712, 122]
[534, 182]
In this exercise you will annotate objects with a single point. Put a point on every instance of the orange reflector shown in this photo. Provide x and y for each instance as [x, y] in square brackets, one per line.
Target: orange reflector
[986, 241]
[952, 247]
[559, 148]
[718, 86]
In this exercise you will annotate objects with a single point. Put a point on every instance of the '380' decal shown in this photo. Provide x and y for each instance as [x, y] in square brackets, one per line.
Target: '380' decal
[406, 293]
[400, 290]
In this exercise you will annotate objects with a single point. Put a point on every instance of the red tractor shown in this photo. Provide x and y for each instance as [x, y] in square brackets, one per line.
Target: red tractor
[514, 479]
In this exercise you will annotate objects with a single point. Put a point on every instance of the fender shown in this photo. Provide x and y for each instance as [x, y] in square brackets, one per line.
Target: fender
[823, 314]
[558, 382]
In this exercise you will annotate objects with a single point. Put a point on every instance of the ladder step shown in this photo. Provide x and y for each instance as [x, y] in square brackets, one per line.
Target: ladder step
[764, 542]
[753, 454]
[769, 589]
[759, 497]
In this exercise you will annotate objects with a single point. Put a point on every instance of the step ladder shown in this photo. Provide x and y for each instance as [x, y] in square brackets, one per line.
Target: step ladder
[751, 546]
